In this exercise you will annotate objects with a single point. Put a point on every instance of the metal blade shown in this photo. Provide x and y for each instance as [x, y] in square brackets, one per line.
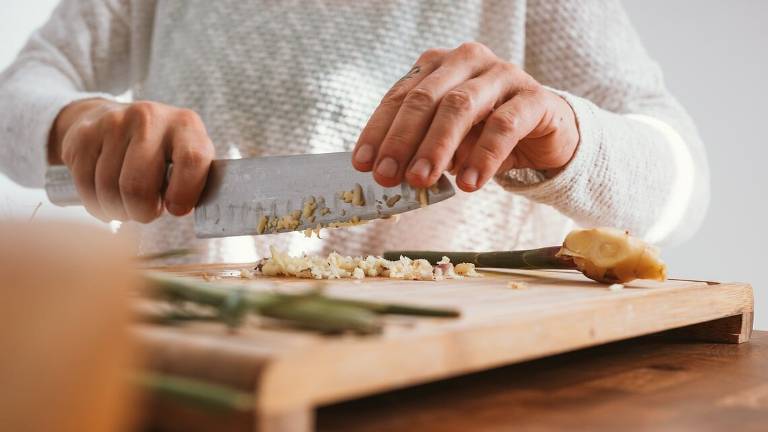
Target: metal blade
[241, 194]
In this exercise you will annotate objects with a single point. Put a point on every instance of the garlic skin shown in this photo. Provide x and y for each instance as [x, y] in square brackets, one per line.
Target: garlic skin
[611, 255]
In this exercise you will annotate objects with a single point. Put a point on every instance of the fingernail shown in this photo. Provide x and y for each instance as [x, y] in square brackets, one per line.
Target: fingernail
[387, 167]
[364, 154]
[469, 177]
[422, 168]
[177, 209]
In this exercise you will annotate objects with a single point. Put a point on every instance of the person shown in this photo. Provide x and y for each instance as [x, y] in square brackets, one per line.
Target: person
[550, 114]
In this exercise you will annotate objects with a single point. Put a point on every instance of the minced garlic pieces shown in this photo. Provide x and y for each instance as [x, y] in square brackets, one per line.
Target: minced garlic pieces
[289, 221]
[336, 266]
[354, 196]
[308, 211]
[358, 273]
[423, 197]
[352, 222]
[466, 269]
[518, 285]
[263, 222]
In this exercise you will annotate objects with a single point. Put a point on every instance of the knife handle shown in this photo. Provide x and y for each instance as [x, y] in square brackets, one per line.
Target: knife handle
[543, 258]
[61, 190]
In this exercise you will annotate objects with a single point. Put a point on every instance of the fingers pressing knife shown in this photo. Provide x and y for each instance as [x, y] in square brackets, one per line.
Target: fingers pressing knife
[468, 112]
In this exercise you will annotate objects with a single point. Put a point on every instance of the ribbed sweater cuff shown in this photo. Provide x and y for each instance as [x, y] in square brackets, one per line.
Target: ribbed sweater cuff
[30, 124]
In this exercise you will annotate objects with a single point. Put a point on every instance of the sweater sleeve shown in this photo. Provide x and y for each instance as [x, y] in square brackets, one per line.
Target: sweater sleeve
[85, 50]
[640, 164]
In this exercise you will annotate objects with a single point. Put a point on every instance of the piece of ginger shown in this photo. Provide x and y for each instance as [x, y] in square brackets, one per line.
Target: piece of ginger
[611, 255]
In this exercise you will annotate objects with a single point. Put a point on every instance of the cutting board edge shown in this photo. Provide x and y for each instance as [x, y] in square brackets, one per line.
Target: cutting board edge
[285, 372]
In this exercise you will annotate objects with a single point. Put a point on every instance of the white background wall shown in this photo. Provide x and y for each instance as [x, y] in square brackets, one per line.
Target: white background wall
[714, 55]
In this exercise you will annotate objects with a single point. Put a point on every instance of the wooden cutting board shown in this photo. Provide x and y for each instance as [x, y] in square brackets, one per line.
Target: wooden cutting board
[291, 371]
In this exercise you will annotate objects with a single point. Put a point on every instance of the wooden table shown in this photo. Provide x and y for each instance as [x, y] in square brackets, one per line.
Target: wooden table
[659, 383]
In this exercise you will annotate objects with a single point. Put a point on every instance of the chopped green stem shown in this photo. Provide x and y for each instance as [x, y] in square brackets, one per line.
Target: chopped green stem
[317, 313]
[308, 310]
[543, 258]
[194, 391]
[172, 253]
[398, 309]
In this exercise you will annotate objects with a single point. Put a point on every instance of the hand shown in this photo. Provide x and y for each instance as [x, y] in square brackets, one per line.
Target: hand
[468, 112]
[117, 155]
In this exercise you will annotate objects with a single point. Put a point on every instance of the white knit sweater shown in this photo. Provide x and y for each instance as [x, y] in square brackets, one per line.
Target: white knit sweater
[282, 77]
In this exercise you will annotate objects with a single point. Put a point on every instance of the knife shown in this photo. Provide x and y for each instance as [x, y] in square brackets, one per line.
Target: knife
[273, 194]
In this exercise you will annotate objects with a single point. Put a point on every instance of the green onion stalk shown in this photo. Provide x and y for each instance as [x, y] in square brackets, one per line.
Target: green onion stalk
[312, 310]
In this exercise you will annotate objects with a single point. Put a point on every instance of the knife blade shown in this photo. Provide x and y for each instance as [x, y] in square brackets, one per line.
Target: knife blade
[273, 194]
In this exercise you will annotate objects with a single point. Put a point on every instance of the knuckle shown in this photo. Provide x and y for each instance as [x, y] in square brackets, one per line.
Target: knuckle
[491, 152]
[188, 118]
[395, 144]
[506, 68]
[504, 123]
[112, 119]
[194, 157]
[142, 116]
[431, 55]
[534, 88]
[473, 49]
[142, 110]
[442, 147]
[458, 101]
[420, 99]
[394, 97]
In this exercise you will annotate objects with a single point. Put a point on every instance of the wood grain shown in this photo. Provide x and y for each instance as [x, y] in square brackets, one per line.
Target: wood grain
[651, 383]
[292, 371]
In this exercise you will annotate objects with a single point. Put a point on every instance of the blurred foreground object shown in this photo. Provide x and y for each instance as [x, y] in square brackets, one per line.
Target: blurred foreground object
[68, 356]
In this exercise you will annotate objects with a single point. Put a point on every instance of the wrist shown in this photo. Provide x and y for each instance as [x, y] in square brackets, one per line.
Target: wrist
[68, 116]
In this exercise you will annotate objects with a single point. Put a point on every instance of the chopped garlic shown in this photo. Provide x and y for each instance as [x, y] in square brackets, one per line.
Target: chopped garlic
[616, 287]
[336, 266]
[358, 273]
[246, 274]
[263, 222]
[357, 195]
[354, 221]
[290, 221]
[518, 285]
[308, 210]
[466, 269]
[423, 197]
[354, 196]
